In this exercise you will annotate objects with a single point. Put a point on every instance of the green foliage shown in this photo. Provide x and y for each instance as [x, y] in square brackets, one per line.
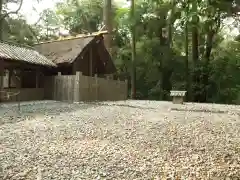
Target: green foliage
[225, 73]
[20, 32]
[161, 45]
[161, 68]
[81, 16]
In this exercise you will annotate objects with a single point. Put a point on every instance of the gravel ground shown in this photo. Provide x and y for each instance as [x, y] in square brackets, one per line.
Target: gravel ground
[119, 140]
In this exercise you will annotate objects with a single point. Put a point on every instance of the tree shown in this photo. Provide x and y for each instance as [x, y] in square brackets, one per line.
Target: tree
[4, 14]
[50, 25]
[133, 43]
[108, 18]
[18, 31]
[83, 16]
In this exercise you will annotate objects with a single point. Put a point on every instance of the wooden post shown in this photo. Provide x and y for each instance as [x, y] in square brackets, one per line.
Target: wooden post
[110, 76]
[119, 89]
[37, 79]
[76, 91]
[178, 100]
[19, 85]
[109, 94]
[10, 73]
[18, 100]
[91, 62]
[90, 73]
[126, 89]
[57, 87]
[96, 86]
[1, 77]
[54, 88]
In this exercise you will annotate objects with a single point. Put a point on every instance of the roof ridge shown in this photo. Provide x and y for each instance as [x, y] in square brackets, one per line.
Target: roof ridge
[17, 44]
[94, 34]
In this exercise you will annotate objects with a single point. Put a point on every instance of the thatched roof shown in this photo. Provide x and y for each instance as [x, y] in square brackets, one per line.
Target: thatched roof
[10, 51]
[64, 51]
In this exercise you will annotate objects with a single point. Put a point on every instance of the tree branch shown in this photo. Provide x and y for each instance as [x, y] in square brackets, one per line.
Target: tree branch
[33, 33]
[12, 12]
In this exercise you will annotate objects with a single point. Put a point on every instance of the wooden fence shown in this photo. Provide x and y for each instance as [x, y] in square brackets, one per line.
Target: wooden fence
[75, 88]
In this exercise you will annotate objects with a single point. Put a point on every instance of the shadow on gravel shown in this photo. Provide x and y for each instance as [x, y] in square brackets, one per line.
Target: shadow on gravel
[9, 113]
[200, 110]
[120, 105]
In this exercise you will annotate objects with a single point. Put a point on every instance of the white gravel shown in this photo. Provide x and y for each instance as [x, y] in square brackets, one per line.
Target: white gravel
[119, 140]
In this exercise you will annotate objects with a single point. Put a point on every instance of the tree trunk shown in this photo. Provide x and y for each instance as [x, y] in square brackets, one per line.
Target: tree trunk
[209, 45]
[187, 85]
[161, 38]
[195, 76]
[195, 46]
[170, 31]
[107, 16]
[171, 22]
[164, 38]
[195, 54]
[133, 77]
[209, 42]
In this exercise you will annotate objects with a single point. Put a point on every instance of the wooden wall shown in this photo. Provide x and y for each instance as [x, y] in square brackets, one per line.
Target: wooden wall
[90, 62]
[75, 88]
